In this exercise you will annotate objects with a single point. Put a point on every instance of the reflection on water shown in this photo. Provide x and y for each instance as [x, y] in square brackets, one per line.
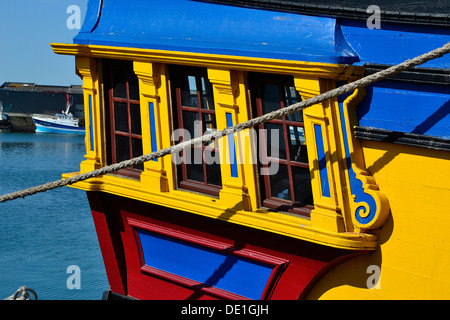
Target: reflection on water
[42, 235]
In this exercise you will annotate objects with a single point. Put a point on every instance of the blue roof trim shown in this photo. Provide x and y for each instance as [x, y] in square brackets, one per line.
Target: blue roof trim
[395, 43]
[93, 14]
[189, 26]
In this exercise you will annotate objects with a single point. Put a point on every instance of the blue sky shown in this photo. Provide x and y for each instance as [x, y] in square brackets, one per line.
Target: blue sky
[27, 27]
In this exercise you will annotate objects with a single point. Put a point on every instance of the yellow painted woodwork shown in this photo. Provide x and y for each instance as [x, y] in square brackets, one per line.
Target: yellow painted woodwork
[358, 166]
[322, 70]
[239, 200]
[229, 97]
[414, 244]
[88, 71]
[152, 81]
[277, 222]
[327, 211]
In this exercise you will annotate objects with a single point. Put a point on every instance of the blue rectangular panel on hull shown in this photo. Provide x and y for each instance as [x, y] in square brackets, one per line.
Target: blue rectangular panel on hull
[205, 265]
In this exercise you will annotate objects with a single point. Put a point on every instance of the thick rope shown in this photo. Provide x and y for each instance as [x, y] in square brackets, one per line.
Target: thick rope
[363, 82]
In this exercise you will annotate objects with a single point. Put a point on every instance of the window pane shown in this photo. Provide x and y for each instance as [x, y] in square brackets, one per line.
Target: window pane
[271, 98]
[137, 151]
[133, 85]
[195, 168]
[135, 112]
[195, 172]
[119, 83]
[191, 123]
[209, 123]
[189, 91]
[213, 172]
[122, 148]
[121, 116]
[274, 144]
[298, 117]
[279, 183]
[302, 185]
[207, 100]
[291, 95]
[297, 147]
[292, 182]
[192, 89]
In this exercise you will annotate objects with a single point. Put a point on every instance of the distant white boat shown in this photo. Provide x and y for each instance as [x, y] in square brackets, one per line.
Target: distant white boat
[60, 123]
[4, 122]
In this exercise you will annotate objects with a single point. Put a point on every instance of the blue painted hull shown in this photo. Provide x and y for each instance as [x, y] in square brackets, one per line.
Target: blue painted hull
[46, 127]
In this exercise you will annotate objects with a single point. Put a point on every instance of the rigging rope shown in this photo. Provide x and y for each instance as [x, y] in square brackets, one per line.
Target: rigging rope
[363, 82]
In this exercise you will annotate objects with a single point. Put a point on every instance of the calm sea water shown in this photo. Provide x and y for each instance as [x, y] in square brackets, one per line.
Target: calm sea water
[42, 235]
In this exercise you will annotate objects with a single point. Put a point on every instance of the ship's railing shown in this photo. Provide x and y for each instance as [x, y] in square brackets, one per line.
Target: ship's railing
[207, 138]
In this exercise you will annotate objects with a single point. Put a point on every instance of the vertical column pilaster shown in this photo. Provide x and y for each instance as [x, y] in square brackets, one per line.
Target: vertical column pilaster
[88, 70]
[154, 122]
[227, 87]
[366, 206]
[319, 135]
[346, 197]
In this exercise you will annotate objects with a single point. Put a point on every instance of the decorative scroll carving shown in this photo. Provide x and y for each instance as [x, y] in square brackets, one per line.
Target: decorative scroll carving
[369, 207]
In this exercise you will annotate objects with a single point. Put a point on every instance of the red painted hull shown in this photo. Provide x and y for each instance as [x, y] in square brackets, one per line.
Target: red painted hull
[122, 223]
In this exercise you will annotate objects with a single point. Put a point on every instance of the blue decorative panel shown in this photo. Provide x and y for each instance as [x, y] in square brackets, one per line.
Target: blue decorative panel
[322, 161]
[362, 214]
[232, 147]
[207, 266]
[411, 108]
[91, 126]
[151, 111]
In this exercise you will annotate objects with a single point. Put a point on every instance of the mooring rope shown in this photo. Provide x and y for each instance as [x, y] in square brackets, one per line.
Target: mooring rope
[363, 82]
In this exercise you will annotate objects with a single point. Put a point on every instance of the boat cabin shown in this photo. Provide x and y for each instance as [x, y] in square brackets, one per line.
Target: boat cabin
[267, 212]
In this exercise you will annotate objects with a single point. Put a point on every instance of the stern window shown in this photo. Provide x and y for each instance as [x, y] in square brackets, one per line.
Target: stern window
[289, 188]
[123, 115]
[194, 112]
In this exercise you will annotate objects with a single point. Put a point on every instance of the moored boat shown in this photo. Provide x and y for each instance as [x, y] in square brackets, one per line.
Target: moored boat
[63, 122]
[5, 125]
[60, 123]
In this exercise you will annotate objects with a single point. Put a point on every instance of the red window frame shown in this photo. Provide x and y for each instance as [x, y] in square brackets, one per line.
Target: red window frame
[257, 84]
[118, 76]
[203, 96]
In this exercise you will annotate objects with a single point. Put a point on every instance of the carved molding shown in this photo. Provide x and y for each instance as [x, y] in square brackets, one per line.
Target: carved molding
[369, 207]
